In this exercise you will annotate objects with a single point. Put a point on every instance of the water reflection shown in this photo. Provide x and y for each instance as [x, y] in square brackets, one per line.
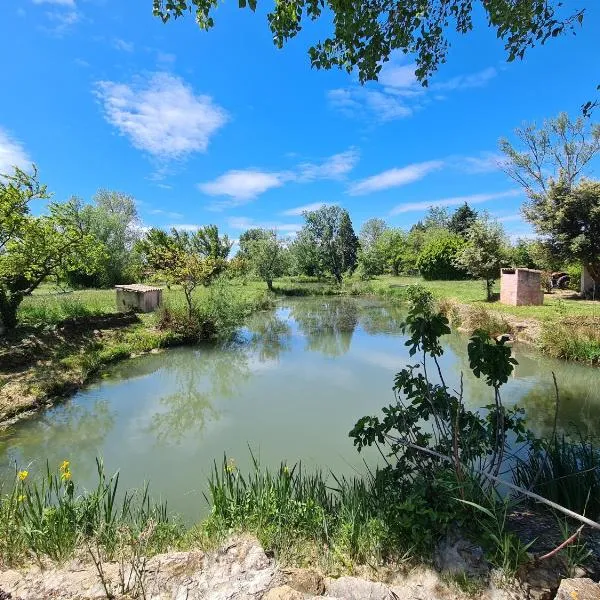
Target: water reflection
[327, 326]
[291, 387]
[68, 430]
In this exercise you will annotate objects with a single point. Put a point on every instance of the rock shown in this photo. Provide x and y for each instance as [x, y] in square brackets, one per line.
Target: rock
[307, 581]
[578, 589]
[457, 555]
[238, 571]
[540, 579]
[353, 588]
[284, 592]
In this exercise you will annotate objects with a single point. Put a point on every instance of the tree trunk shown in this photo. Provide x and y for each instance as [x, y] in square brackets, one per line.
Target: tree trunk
[270, 284]
[188, 299]
[8, 312]
[489, 285]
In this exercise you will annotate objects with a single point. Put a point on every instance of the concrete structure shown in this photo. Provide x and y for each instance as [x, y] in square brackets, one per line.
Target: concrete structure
[521, 287]
[138, 297]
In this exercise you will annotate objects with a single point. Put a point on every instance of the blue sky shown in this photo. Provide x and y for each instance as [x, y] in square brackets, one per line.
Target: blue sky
[221, 127]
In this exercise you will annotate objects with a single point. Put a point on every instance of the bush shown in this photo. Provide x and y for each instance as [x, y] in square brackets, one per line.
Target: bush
[572, 339]
[436, 259]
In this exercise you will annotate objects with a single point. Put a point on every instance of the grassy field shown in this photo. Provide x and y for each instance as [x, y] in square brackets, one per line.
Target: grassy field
[50, 305]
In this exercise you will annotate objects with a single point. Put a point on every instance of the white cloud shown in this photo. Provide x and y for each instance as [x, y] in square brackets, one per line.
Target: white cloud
[398, 76]
[462, 82]
[161, 115]
[335, 167]
[398, 94]
[165, 58]
[62, 21]
[243, 223]
[355, 101]
[12, 153]
[69, 3]
[486, 162]
[123, 45]
[454, 201]
[394, 177]
[299, 210]
[82, 63]
[242, 186]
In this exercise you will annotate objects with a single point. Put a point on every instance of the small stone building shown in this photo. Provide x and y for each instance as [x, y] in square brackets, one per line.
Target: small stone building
[521, 287]
[138, 297]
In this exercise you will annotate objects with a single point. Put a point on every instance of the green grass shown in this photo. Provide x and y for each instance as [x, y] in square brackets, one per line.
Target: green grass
[473, 292]
[46, 516]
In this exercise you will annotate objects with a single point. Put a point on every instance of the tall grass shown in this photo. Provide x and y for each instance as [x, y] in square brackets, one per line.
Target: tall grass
[565, 471]
[572, 339]
[49, 517]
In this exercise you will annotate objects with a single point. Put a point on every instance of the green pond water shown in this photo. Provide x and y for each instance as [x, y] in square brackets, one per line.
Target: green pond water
[290, 388]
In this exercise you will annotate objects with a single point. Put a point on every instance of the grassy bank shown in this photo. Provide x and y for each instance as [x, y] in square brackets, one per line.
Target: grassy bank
[307, 519]
[66, 339]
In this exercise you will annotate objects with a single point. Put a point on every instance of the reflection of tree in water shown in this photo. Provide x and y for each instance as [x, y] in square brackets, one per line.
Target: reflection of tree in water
[270, 336]
[327, 325]
[197, 377]
[215, 371]
[70, 431]
[379, 318]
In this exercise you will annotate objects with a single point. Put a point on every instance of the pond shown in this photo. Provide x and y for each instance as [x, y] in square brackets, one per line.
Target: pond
[290, 388]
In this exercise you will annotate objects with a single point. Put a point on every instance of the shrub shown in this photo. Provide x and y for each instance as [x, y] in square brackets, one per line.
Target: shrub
[572, 339]
[436, 259]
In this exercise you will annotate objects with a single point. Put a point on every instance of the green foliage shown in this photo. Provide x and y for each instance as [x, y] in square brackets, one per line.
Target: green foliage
[215, 314]
[349, 520]
[50, 517]
[437, 258]
[186, 259]
[267, 256]
[484, 253]
[329, 230]
[365, 36]
[371, 256]
[113, 221]
[462, 218]
[33, 249]
[569, 217]
[305, 257]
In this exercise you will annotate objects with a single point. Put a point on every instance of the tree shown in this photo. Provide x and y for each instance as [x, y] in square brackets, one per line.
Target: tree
[329, 229]
[437, 217]
[463, 217]
[267, 256]
[305, 257]
[391, 246]
[33, 249]
[176, 257]
[484, 252]
[366, 33]
[569, 219]
[254, 233]
[209, 244]
[436, 259]
[371, 260]
[113, 220]
[370, 233]
[558, 151]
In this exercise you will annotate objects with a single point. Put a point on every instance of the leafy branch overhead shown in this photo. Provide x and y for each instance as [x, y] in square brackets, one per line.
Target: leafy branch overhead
[366, 33]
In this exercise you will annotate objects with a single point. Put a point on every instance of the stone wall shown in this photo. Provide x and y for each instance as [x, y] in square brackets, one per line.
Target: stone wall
[521, 287]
